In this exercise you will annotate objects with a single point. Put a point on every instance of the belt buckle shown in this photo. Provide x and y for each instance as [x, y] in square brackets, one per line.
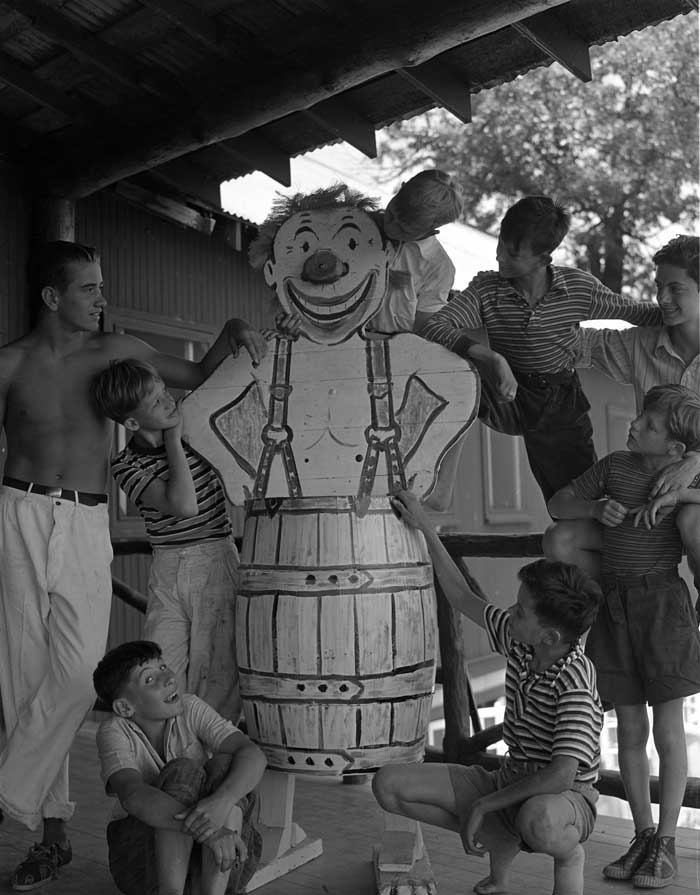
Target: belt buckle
[54, 492]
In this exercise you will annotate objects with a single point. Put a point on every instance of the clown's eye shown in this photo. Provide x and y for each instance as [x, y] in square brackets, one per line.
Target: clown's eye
[305, 246]
[352, 243]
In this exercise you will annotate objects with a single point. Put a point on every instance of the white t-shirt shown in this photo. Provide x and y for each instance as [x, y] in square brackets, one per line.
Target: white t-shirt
[420, 279]
[197, 734]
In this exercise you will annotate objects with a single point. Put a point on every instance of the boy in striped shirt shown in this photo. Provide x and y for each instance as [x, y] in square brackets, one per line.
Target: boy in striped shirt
[645, 643]
[531, 311]
[194, 571]
[543, 797]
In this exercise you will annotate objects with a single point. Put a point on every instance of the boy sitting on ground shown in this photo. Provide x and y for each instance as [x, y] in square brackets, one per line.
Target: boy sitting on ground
[645, 643]
[182, 775]
[194, 570]
[543, 797]
[531, 311]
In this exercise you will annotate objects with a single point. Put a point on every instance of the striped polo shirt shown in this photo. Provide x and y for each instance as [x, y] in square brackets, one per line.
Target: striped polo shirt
[556, 712]
[628, 550]
[137, 466]
[642, 357]
[539, 339]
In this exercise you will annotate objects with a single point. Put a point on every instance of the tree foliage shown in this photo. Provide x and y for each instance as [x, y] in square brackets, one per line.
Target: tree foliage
[621, 152]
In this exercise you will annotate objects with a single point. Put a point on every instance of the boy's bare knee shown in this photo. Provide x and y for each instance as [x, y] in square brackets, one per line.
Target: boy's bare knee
[182, 779]
[385, 787]
[539, 827]
[557, 541]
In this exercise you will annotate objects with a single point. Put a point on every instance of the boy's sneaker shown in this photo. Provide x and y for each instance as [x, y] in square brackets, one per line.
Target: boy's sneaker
[660, 866]
[627, 865]
[40, 866]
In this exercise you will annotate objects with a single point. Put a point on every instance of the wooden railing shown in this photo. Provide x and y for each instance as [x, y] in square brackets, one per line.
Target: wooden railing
[464, 741]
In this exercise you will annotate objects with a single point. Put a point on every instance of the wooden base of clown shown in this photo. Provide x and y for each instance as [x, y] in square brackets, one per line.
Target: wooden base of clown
[335, 615]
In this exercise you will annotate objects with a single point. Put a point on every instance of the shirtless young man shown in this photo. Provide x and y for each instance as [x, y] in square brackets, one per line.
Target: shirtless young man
[55, 583]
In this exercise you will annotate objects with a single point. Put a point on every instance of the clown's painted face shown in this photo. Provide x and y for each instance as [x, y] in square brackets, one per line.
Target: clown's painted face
[329, 266]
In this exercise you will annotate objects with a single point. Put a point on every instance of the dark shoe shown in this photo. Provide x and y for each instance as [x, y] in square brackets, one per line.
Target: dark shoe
[660, 866]
[627, 865]
[40, 866]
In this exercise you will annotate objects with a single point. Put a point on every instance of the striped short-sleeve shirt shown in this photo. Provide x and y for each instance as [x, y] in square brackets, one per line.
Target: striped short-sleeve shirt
[137, 466]
[556, 712]
[543, 338]
[630, 550]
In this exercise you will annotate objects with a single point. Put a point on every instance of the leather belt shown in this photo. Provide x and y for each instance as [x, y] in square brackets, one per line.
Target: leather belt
[84, 497]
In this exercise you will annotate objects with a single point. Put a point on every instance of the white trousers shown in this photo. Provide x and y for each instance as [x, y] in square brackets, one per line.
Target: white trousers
[190, 615]
[55, 595]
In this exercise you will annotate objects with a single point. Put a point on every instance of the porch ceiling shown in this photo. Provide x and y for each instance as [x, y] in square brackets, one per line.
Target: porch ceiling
[95, 91]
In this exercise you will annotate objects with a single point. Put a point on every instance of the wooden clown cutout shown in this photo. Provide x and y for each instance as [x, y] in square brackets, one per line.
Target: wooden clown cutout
[335, 613]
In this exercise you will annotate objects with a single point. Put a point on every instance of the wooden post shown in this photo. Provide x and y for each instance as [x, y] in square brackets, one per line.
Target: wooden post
[54, 218]
[455, 683]
[285, 844]
[401, 863]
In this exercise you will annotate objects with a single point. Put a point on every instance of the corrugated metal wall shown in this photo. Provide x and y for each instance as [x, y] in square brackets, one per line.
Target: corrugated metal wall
[14, 247]
[150, 265]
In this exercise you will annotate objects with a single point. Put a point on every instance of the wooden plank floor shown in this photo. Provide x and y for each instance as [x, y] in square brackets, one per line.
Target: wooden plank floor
[349, 822]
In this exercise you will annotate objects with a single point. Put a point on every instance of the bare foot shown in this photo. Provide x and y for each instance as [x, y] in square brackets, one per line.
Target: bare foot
[487, 886]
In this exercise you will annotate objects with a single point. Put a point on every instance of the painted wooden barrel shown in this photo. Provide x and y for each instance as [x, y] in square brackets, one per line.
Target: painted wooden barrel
[335, 634]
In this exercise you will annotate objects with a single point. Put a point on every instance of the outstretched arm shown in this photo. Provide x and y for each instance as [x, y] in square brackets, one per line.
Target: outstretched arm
[456, 589]
[177, 372]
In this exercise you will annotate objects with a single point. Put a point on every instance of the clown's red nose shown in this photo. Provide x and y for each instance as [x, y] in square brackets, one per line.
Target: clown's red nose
[322, 267]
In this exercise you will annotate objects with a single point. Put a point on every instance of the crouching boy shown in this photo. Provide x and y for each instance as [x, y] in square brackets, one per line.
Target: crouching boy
[184, 778]
[543, 798]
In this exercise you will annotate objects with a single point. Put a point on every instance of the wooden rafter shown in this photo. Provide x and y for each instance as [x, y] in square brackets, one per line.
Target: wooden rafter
[262, 154]
[448, 91]
[23, 79]
[93, 51]
[199, 26]
[190, 180]
[350, 56]
[547, 32]
[339, 118]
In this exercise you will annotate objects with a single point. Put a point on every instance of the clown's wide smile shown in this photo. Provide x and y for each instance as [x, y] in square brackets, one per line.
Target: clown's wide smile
[328, 309]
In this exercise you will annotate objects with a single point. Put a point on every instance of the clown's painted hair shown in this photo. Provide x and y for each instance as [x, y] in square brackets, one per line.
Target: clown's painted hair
[339, 195]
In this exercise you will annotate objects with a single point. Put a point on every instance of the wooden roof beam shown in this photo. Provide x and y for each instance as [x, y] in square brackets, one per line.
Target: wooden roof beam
[93, 51]
[339, 118]
[378, 44]
[185, 16]
[448, 91]
[165, 207]
[191, 181]
[21, 78]
[263, 154]
[547, 32]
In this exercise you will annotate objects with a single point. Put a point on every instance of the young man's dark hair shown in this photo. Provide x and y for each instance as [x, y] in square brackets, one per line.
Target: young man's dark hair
[537, 219]
[565, 597]
[114, 668]
[683, 252]
[48, 265]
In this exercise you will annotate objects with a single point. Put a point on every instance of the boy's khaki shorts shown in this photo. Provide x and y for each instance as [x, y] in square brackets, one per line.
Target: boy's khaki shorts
[645, 643]
[473, 782]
